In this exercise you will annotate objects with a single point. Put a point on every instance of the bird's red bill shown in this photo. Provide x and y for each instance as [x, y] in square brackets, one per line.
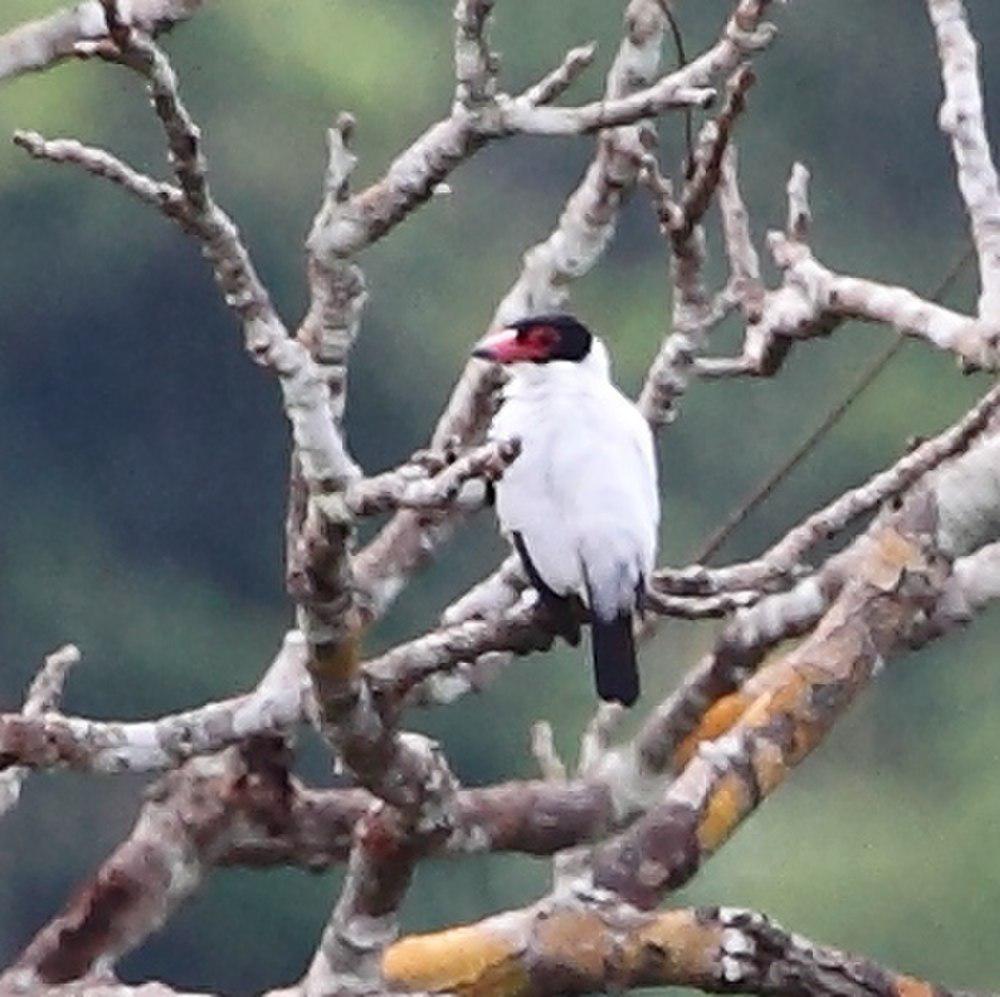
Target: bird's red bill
[517, 346]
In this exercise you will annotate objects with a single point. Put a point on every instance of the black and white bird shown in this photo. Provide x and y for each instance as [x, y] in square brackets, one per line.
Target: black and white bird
[580, 503]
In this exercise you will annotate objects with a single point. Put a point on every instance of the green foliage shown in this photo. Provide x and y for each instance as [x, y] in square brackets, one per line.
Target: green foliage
[144, 459]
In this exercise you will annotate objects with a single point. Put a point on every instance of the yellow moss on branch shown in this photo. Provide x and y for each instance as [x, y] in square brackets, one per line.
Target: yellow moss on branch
[682, 947]
[729, 803]
[780, 714]
[334, 668]
[579, 947]
[576, 938]
[717, 719]
[474, 960]
[800, 691]
[522, 953]
[909, 986]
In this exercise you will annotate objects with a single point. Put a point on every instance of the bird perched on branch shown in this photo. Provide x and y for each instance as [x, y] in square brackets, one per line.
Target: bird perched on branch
[580, 503]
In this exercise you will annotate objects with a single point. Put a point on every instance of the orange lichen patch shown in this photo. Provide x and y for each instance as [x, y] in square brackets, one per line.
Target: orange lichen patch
[688, 948]
[576, 938]
[769, 766]
[727, 806]
[907, 986]
[785, 695]
[469, 960]
[793, 700]
[719, 718]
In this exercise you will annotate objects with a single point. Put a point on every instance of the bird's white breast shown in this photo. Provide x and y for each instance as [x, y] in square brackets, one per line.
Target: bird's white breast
[583, 491]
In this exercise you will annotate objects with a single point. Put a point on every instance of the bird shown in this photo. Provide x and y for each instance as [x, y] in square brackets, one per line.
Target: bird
[580, 503]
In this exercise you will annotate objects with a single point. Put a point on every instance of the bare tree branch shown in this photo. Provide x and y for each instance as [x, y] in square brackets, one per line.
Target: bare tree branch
[785, 558]
[186, 821]
[973, 584]
[385, 849]
[476, 66]
[412, 668]
[705, 697]
[710, 695]
[694, 312]
[573, 948]
[192, 206]
[406, 770]
[553, 85]
[520, 118]
[744, 264]
[43, 696]
[162, 196]
[491, 596]
[279, 702]
[410, 486]
[813, 300]
[39, 44]
[346, 225]
[314, 828]
[963, 119]
[782, 711]
[786, 708]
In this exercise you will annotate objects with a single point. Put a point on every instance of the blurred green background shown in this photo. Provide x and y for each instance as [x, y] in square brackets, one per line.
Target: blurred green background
[143, 458]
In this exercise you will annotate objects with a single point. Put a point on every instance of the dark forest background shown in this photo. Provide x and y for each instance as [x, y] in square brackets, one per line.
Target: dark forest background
[143, 459]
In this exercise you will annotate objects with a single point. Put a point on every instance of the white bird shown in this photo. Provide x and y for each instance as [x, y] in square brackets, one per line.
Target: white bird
[580, 503]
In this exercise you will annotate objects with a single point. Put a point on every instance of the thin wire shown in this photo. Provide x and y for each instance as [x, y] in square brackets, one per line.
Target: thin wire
[682, 60]
[867, 377]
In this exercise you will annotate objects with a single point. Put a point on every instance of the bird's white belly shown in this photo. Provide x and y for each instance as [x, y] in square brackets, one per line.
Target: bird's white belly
[526, 506]
[582, 492]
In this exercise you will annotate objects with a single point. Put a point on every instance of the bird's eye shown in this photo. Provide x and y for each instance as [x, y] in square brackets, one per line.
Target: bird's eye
[543, 336]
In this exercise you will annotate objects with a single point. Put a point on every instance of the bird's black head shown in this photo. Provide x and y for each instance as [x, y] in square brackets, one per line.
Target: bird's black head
[539, 339]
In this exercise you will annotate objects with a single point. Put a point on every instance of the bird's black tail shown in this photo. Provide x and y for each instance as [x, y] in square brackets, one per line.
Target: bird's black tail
[615, 668]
